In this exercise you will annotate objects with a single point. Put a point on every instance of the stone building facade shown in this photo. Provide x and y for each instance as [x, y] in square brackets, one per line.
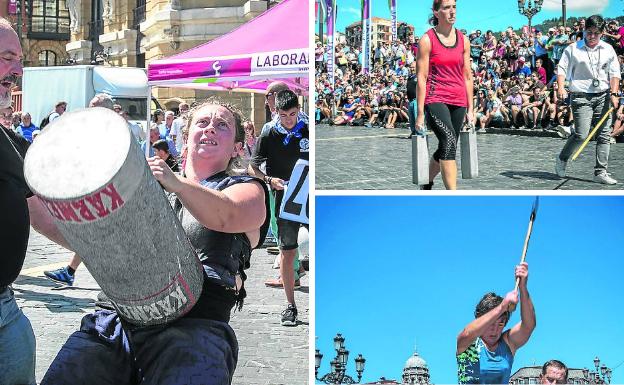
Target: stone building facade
[132, 33]
[415, 371]
[135, 32]
[43, 29]
[381, 32]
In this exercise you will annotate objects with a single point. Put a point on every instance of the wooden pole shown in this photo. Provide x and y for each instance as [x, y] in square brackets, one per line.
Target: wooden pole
[512, 307]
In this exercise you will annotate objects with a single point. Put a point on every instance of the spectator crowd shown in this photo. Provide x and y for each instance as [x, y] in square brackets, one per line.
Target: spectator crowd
[514, 74]
[167, 135]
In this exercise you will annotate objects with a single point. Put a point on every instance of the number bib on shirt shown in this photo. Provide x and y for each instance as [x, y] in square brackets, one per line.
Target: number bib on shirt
[294, 205]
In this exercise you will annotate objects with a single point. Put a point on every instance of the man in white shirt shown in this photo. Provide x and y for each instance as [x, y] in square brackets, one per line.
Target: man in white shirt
[59, 109]
[178, 126]
[165, 127]
[592, 68]
[383, 52]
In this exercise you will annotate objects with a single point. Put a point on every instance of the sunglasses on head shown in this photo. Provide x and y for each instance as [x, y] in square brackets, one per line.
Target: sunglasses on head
[269, 95]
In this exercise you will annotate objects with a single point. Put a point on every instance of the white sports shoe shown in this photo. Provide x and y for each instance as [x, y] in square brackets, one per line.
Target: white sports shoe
[604, 178]
[560, 167]
[564, 131]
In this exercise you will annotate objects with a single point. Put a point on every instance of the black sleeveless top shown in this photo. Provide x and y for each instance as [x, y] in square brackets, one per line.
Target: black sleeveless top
[223, 255]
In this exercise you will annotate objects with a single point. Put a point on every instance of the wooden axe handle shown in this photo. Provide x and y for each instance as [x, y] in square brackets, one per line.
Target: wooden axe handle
[512, 306]
[591, 134]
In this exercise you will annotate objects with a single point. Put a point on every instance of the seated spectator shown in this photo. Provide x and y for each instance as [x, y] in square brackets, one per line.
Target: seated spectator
[480, 108]
[618, 126]
[541, 72]
[494, 114]
[523, 69]
[514, 102]
[27, 127]
[535, 82]
[533, 109]
[550, 113]
[348, 112]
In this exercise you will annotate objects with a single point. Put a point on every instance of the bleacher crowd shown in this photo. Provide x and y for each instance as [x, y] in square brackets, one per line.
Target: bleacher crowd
[513, 71]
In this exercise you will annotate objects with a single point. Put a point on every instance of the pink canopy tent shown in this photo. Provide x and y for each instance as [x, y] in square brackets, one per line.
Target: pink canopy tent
[272, 46]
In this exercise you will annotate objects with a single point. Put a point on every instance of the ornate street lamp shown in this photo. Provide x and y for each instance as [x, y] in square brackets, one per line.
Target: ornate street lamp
[343, 356]
[602, 374]
[530, 10]
[317, 362]
[334, 365]
[360, 361]
[338, 366]
[338, 342]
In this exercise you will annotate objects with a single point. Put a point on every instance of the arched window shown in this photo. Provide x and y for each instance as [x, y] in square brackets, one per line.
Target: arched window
[47, 58]
[49, 19]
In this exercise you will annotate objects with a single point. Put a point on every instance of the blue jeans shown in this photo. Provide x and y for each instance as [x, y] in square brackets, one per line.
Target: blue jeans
[17, 343]
[411, 112]
[105, 352]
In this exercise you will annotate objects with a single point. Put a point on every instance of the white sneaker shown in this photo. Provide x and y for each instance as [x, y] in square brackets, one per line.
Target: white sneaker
[604, 178]
[564, 131]
[560, 167]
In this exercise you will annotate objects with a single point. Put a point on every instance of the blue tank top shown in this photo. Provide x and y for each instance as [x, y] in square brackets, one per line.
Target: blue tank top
[478, 365]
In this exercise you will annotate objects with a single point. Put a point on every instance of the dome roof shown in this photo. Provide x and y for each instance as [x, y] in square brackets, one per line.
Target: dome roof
[415, 361]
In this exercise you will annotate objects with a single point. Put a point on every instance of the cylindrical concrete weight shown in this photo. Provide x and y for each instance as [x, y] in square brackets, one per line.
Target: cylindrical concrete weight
[420, 160]
[94, 179]
[469, 154]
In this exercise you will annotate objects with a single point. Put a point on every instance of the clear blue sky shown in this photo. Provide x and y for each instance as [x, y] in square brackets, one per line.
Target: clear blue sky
[393, 273]
[476, 14]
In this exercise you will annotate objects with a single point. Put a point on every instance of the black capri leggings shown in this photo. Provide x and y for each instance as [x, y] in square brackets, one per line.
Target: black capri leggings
[446, 121]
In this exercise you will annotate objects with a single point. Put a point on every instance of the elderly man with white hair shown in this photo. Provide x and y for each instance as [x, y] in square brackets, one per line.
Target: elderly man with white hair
[102, 100]
[20, 209]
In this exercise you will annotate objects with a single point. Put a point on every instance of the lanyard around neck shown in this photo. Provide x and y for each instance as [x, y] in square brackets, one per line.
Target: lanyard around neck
[591, 64]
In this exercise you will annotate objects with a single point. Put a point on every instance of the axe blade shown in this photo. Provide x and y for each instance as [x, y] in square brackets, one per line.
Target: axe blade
[535, 207]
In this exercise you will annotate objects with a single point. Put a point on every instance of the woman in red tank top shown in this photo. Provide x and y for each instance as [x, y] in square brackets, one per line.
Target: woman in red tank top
[444, 88]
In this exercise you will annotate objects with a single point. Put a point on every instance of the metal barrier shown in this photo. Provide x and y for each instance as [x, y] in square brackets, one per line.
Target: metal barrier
[16, 97]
